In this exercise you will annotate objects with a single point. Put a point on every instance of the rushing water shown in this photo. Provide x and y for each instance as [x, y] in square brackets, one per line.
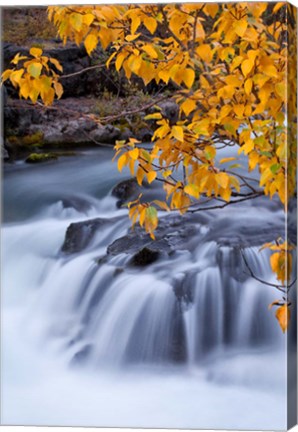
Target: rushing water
[185, 342]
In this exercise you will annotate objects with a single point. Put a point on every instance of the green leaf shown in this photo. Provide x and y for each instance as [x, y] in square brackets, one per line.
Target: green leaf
[275, 168]
[34, 69]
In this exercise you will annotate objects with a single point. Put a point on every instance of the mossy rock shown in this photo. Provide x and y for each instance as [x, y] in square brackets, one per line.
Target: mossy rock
[33, 140]
[41, 157]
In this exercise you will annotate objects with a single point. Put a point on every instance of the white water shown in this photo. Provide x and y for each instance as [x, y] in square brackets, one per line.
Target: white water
[83, 346]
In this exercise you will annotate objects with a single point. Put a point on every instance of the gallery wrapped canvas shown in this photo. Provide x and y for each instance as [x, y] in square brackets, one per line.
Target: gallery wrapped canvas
[149, 215]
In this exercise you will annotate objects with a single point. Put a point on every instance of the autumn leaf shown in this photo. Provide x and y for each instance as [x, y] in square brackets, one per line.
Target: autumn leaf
[90, 43]
[283, 315]
[35, 69]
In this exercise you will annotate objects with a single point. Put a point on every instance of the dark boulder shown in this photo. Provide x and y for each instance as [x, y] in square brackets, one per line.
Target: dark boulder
[144, 135]
[79, 235]
[107, 134]
[173, 233]
[170, 110]
[126, 190]
[144, 257]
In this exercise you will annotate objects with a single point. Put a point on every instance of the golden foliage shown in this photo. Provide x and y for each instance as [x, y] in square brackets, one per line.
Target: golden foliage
[230, 67]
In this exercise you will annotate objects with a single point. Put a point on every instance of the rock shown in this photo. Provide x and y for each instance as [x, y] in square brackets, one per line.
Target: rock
[4, 153]
[126, 190]
[107, 134]
[79, 235]
[170, 110]
[144, 257]
[144, 135]
[126, 134]
[40, 157]
[173, 233]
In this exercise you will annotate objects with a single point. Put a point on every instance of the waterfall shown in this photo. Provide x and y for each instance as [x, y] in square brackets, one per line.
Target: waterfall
[195, 313]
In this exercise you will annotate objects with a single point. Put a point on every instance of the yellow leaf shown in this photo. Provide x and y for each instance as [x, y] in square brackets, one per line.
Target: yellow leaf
[192, 190]
[88, 19]
[247, 147]
[135, 23]
[6, 74]
[76, 20]
[205, 53]
[239, 110]
[162, 204]
[222, 179]
[35, 52]
[122, 161]
[166, 173]
[151, 176]
[142, 216]
[131, 38]
[280, 89]
[240, 27]
[246, 66]
[134, 154]
[283, 316]
[140, 176]
[34, 69]
[90, 43]
[270, 70]
[56, 63]
[228, 159]
[266, 175]
[248, 86]
[16, 76]
[58, 89]
[155, 116]
[188, 77]
[278, 6]
[211, 9]
[177, 132]
[188, 106]
[119, 60]
[150, 51]
[225, 194]
[165, 75]
[151, 24]
[18, 57]
[274, 262]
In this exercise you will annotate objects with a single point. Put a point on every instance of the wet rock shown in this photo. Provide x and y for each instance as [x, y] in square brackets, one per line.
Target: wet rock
[173, 233]
[144, 257]
[144, 135]
[78, 203]
[170, 110]
[35, 158]
[4, 152]
[126, 133]
[107, 134]
[79, 235]
[126, 190]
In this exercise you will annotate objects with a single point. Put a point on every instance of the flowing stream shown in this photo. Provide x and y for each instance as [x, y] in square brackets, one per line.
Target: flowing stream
[185, 342]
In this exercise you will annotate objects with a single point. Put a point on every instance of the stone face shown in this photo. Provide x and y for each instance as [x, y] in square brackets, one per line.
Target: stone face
[144, 257]
[126, 190]
[79, 235]
[170, 110]
[107, 134]
[172, 234]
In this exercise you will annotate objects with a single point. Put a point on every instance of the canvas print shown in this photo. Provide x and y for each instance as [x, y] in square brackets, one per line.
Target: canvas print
[149, 215]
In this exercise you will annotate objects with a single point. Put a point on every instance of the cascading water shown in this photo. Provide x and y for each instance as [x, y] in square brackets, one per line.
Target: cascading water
[176, 333]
